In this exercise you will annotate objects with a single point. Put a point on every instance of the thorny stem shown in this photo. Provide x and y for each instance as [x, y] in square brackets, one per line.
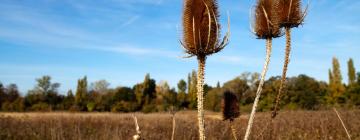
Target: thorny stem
[285, 68]
[258, 93]
[200, 96]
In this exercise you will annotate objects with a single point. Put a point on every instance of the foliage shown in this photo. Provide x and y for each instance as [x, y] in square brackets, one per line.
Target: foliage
[336, 87]
[351, 72]
[100, 86]
[192, 90]
[213, 99]
[301, 92]
[81, 93]
[182, 96]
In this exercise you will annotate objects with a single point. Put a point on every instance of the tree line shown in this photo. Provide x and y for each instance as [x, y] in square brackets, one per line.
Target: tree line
[301, 92]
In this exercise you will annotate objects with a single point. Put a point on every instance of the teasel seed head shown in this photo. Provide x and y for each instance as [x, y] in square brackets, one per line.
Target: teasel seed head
[290, 13]
[230, 106]
[201, 28]
[266, 20]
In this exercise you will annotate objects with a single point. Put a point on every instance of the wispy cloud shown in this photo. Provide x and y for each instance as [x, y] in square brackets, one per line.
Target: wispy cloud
[35, 29]
[130, 21]
[133, 50]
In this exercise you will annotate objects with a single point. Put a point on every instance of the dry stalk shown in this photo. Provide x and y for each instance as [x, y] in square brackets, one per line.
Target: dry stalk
[137, 136]
[258, 93]
[233, 130]
[285, 68]
[266, 27]
[200, 97]
[174, 126]
[201, 33]
[290, 15]
[338, 115]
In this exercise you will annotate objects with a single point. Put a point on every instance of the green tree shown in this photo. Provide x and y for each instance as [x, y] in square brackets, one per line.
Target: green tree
[181, 86]
[124, 94]
[330, 77]
[351, 72]
[12, 92]
[182, 93]
[100, 86]
[213, 99]
[336, 87]
[11, 99]
[353, 92]
[68, 100]
[81, 93]
[46, 92]
[2, 94]
[218, 85]
[192, 93]
[145, 91]
[45, 86]
[305, 92]
[165, 97]
[149, 86]
[270, 89]
[238, 86]
[138, 89]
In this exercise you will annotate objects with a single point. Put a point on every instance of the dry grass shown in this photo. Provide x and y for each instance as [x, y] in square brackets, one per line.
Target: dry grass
[292, 125]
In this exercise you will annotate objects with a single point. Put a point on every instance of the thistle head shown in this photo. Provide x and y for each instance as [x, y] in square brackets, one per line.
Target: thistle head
[266, 21]
[290, 13]
[230, 106]
[201, 28]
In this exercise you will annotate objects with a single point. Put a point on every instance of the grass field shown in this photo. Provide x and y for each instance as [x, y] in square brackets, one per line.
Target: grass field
[289, 125]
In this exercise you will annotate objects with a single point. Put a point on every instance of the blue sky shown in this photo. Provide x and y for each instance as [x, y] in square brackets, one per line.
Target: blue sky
[122, 40]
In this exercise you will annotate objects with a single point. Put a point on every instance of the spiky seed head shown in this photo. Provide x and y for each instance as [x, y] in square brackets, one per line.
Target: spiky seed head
[289, 12]
[266, 21]
[201, 28]
[230, 106]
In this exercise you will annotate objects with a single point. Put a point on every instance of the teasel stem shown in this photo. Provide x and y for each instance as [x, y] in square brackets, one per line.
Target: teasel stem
[233, 130]
[285, 68]
[174, 126]
[137, 136]
[258, 93]
[342, 123]
[200, 96]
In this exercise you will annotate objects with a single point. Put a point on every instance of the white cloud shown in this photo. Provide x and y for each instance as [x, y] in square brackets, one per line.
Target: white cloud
[130, 20]
[35, 29]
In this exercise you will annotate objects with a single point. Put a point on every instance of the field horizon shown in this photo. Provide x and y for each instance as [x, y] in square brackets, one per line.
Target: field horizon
[310, 125]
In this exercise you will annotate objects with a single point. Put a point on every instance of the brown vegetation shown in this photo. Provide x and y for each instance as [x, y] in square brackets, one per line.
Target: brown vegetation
[266, 20]
[266, 27]
[294, 125]
[290, 15]
[201, 39]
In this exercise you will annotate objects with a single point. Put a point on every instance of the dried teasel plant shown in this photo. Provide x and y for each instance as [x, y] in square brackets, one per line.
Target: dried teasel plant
[290, 15]
[137, 136]
[201, 33]
[266, 27]
[342, 123]
[173, 113]
[230, 109]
